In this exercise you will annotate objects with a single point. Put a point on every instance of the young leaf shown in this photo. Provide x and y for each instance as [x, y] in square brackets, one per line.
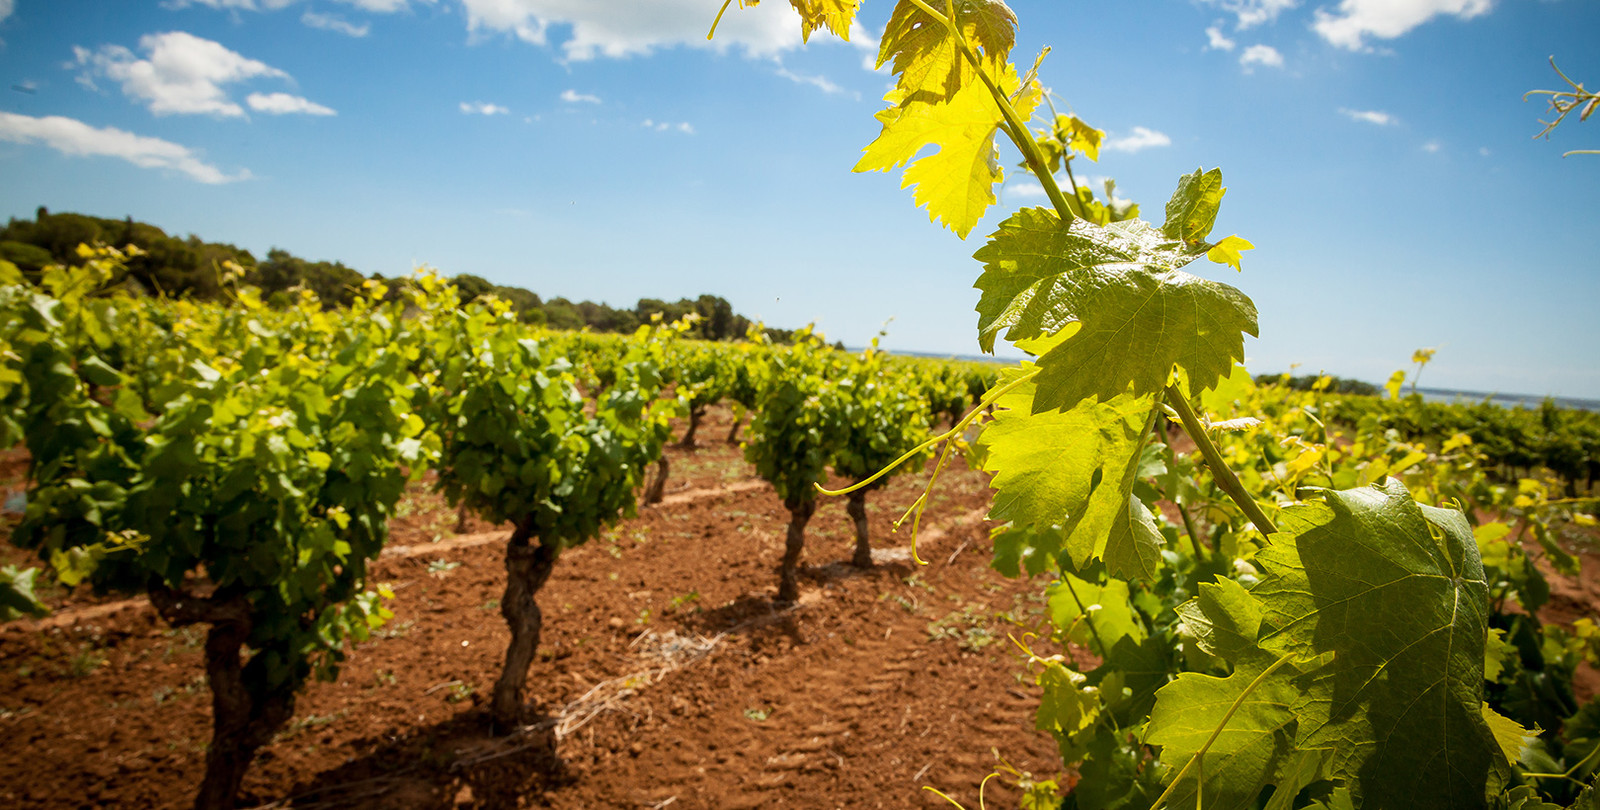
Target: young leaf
[1396, 592]
[1140, 315]
[956, 184]
[1072, 468]
[836, 15]
[927, 57]
[1193, 208]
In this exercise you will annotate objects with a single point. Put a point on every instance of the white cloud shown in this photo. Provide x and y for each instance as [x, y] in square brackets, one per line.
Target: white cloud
[1382, 119]
[574, 97]
[331, 22]
[1432, 146]
[182, 74]
[482, 108]
[1140, 139]
[1261, 55]
[72, 137]
[1387, 19]
[662, 126]
[6, 7]
[231, 5]
[285, 104]
[376, 6]
[1254, 12]
[622, 28]
[1027, 189]
[1216, 41]
[820, 82]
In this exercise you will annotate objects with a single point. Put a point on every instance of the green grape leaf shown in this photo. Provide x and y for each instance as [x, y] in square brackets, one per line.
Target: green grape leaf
[956, 183]
[1248, 751]
[1067, 708]
[928, 59]
[16, 594]
[1230, 251]
[1138, 314]
[1224, 621]
[1075, 469]
[835, 15]
[1193, 208]
[1096, 617]
[1396, 592]
[1508, 733]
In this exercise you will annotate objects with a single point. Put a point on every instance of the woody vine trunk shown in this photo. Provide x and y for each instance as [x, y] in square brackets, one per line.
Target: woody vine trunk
[695, 415]
[856, 507]
[528, 567]
[246, 712]
[800, 512]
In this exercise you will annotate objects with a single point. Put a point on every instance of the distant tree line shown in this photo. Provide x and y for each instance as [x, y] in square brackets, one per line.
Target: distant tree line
[1338, 385]
[193, 268]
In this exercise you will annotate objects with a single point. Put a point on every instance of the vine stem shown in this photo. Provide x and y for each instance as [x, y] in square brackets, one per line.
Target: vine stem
[1016, 128]
[1220, 471]
[1161, 800]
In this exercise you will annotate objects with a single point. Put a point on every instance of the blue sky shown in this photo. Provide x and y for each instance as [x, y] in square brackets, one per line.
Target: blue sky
[1377, 152]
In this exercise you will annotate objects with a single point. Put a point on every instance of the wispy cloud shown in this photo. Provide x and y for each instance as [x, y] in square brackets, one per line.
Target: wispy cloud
[1382, 119]
[624, 28]
[820, 82]
[6, 7]
[663, 126]
[331, 22]
[1138, 140]
[377, 6]
[181, 73]
[1265, 55]
[1355, 20]
[1216, 41]
[70, 136]
[575, 97]
[1432, 146]
[285, 104]
[1250, 13]
[482, 108]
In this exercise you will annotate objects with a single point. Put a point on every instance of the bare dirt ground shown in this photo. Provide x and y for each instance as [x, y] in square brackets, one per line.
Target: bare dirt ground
[666, 678]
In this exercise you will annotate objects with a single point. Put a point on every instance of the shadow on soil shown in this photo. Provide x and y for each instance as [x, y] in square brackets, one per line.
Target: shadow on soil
[454, 764]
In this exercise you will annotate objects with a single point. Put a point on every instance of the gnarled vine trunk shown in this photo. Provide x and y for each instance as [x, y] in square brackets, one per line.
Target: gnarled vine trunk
[245, 712]
[695, 415]
[738, 421]
[658, 485]
[800, 512]
[528, 567]
[856, 507]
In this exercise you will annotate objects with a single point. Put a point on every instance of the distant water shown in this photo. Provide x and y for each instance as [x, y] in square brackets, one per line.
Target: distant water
[1428, 394]
[1503, 400]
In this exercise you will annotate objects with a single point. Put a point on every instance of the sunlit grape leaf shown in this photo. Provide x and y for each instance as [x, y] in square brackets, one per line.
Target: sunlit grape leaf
[1140, 314]
[1067, 708]
[836, 15]
[1396, 592]
[1508, 733]
[1193, 208]
[956, 183]
[1248, 751]
[1096, 617]
[1080, 137]
[1074, 469]
[928, 59]
[1230, 251]
[1224, 621]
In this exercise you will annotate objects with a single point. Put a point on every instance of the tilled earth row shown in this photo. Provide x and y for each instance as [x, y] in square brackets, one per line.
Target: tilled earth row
[666, 678]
